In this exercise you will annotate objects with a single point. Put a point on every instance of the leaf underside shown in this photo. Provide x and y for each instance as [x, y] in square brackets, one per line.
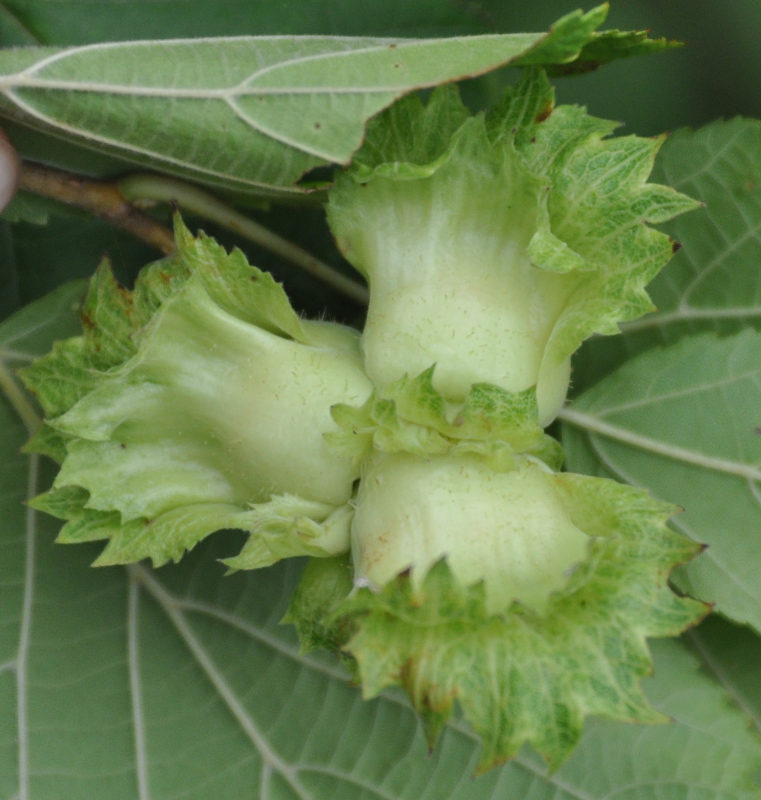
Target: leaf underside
[254, 114]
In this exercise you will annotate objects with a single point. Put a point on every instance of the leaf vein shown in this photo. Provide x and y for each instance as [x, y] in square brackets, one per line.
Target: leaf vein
[689, 313]
[676, 522]
[25, 633]
[596, 426]
[348, 778]
[130, 151]
[210, 669]
[656, 397]
[136, 693]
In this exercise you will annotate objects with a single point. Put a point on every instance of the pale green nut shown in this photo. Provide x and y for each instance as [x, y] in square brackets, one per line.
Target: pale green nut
[213, 409]
[452, 280]
[511, 530]
[455, 287]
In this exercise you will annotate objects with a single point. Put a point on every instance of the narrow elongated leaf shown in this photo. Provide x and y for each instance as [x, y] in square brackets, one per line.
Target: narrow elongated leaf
[250, 113]
[131, 683]
[684, 422]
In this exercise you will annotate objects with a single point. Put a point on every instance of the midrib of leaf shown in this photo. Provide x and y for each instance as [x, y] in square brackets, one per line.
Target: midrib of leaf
[618, 472]
[29, 417]
[204, 660]
[25, 79]
[136, 692]
[7, 354]
[140, 575]
[690, 314]
[26, 632]
[178, 605]
[284, 145]
[595, 424]
[258, 634]
[698, 388]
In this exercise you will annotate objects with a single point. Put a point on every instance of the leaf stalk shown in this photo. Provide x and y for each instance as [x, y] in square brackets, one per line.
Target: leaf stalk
[146, 186]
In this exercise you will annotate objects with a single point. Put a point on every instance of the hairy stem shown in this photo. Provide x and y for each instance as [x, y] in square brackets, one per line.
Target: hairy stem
[101, 198]
[141, 186]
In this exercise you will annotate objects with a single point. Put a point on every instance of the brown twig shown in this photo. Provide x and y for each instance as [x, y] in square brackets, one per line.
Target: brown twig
[101, 198]
[115, 201]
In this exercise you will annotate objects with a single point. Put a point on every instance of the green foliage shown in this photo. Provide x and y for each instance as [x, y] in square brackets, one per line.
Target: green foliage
[136, 683]
[256, 719]
[683, 420]
[260, 113]
[653, 423]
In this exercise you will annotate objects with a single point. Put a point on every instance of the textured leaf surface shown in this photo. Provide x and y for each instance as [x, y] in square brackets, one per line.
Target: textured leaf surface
[712, 282]
[282, 106]
[37, 22]
[684, 422]
[136, 684]
[731, 654]
[250, 113]
[713, 277]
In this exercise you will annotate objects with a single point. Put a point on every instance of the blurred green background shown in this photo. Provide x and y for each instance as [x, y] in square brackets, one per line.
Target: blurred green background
[717, 74]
